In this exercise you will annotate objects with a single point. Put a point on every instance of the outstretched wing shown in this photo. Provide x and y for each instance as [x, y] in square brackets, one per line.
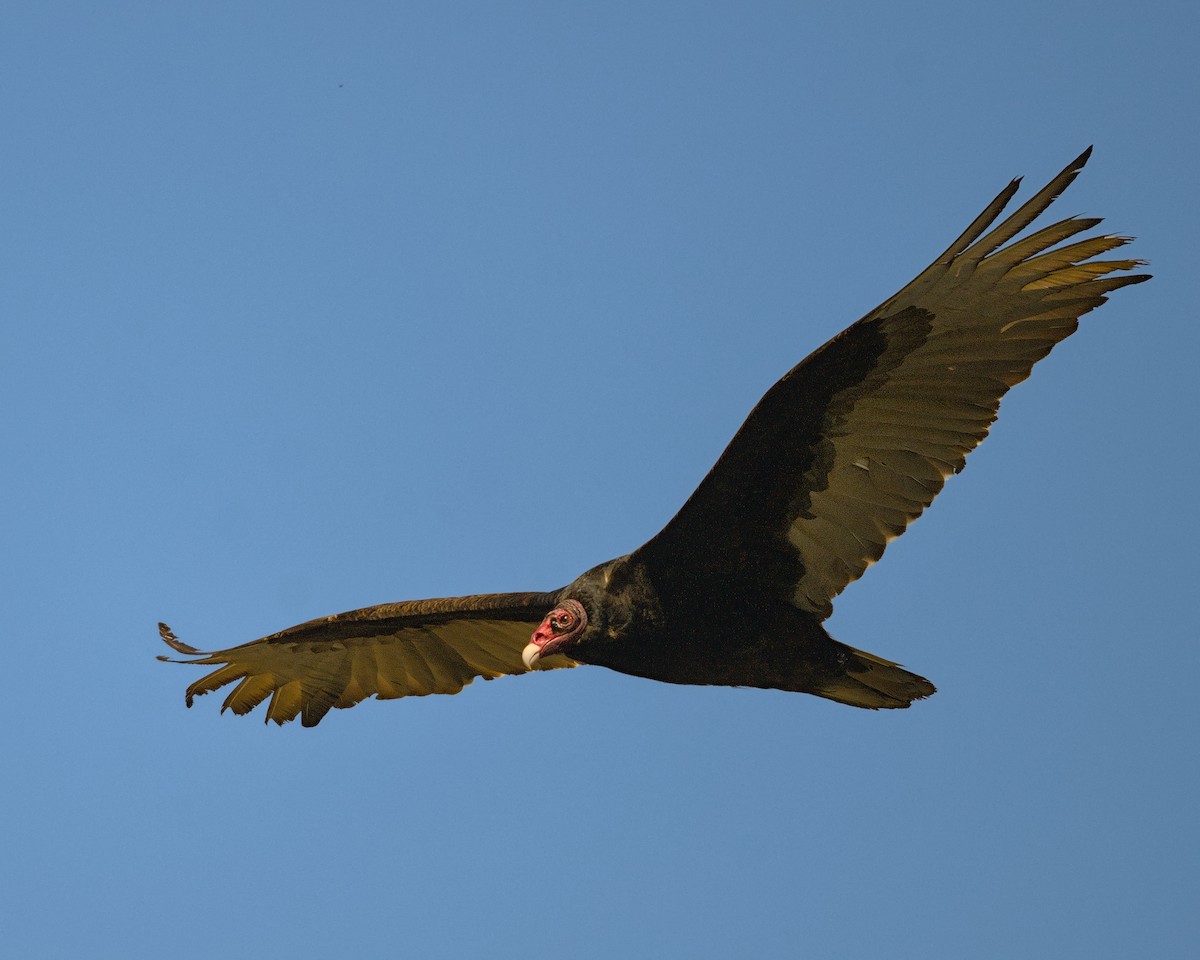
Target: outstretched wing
[387, 651]
[844, 452]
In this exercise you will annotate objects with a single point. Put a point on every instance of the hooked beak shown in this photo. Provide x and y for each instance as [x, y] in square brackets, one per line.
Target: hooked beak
[537, 644]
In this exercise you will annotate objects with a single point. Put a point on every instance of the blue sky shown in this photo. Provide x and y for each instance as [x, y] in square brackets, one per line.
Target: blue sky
[294, 294]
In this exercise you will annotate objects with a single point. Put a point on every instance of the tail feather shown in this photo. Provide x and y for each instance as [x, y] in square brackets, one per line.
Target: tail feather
[875, 683]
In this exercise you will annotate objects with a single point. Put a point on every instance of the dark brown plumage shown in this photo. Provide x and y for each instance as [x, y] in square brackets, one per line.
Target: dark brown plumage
[835, 461]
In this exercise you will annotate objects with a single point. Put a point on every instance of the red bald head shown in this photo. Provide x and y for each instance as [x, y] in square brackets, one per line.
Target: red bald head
[562, 626]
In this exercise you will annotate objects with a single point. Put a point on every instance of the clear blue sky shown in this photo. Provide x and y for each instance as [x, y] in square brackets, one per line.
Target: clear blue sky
[287, 291]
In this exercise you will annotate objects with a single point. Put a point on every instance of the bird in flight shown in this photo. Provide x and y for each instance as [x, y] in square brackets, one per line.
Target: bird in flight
[835, 461]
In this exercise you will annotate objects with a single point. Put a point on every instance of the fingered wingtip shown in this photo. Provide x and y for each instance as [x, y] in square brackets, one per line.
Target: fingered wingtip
[168, 637]
[1072, 169]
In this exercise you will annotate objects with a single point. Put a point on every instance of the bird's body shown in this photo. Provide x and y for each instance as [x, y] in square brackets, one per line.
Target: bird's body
[836, 460]
[649, 623]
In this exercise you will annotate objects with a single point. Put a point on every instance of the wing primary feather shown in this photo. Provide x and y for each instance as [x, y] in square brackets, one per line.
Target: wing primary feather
[172, 641]
[248, 694]
[1028, 211]
[287, 700]
[1070, 254]
[979, 224]
[1044, 239]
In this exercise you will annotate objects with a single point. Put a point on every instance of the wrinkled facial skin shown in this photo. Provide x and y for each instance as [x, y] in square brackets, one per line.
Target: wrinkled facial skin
[562, 626]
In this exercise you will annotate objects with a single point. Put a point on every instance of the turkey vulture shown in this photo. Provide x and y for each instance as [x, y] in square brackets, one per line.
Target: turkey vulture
[838, 458]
